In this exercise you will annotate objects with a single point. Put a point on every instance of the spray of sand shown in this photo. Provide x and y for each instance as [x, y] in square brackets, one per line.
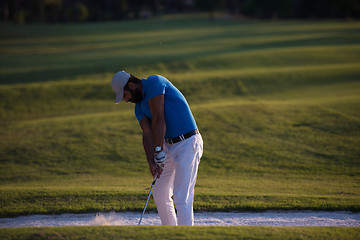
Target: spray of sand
[104, 219]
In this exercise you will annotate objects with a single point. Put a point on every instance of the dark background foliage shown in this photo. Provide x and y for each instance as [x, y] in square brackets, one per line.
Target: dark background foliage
[27, 11]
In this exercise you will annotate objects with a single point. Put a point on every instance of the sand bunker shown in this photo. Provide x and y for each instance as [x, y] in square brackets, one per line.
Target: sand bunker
[269, 218]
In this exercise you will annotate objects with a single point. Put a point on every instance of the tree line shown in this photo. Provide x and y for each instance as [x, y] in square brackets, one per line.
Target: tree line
[24, 11]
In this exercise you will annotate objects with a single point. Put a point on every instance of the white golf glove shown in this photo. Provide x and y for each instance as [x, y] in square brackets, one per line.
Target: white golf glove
[159, 158]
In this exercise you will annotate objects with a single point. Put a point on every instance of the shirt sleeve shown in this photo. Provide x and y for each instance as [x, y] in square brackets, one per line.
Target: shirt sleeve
[156, 86]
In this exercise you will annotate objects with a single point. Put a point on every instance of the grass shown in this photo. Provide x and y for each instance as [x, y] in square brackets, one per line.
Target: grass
[276, 103]
[31, 201]
[146, 232]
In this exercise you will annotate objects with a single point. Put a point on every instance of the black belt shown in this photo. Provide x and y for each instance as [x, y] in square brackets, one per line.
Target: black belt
[182, 137]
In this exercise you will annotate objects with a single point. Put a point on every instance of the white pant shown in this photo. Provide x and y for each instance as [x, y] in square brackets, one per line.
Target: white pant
[178, 181]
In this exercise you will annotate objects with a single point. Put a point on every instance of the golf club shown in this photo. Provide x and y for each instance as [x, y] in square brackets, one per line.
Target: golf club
[152, 185]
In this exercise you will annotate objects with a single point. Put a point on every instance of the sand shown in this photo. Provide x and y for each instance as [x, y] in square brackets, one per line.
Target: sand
[268, 218]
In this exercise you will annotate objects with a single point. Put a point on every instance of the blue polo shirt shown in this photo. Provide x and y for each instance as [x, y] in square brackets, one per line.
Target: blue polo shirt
[178, 117]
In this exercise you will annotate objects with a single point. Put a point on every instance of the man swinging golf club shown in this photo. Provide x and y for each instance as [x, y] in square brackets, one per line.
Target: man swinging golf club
[171, 140]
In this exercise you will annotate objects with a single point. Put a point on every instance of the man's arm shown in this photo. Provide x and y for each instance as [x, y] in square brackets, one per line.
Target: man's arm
[158, 126]
[145, 124]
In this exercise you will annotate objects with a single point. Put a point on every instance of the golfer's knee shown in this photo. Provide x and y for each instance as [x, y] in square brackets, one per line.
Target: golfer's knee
[161, 197]
[183, 203]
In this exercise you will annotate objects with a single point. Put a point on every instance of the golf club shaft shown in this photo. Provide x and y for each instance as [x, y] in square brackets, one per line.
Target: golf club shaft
[152, 185]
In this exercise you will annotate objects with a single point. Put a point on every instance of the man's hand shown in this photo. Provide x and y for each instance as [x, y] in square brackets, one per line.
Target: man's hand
[156, 169]
[159, 159]
[153, 169]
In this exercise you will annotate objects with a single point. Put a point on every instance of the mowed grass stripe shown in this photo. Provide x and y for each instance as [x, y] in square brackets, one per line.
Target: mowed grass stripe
[322, 94]
[184, 40]
[201, 75]
[130, 30]
[238, 61]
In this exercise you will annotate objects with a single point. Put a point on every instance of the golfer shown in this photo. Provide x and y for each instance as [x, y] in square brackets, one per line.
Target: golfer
[171, 140]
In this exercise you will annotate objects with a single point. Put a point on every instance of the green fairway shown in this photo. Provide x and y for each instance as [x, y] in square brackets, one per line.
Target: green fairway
[277, 104]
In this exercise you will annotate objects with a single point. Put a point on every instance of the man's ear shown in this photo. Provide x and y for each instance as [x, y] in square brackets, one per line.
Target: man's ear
[132, 86]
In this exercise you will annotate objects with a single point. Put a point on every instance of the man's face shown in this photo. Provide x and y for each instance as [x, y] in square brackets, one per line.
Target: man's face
[132, 95]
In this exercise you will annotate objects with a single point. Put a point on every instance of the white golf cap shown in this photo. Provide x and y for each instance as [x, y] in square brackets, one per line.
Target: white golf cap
[118, 83]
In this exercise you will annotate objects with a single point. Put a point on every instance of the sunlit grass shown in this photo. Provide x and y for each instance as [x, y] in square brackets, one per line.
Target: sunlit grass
[180, 232]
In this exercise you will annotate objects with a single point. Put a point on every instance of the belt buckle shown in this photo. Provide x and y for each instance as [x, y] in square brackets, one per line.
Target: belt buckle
[182, 138]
